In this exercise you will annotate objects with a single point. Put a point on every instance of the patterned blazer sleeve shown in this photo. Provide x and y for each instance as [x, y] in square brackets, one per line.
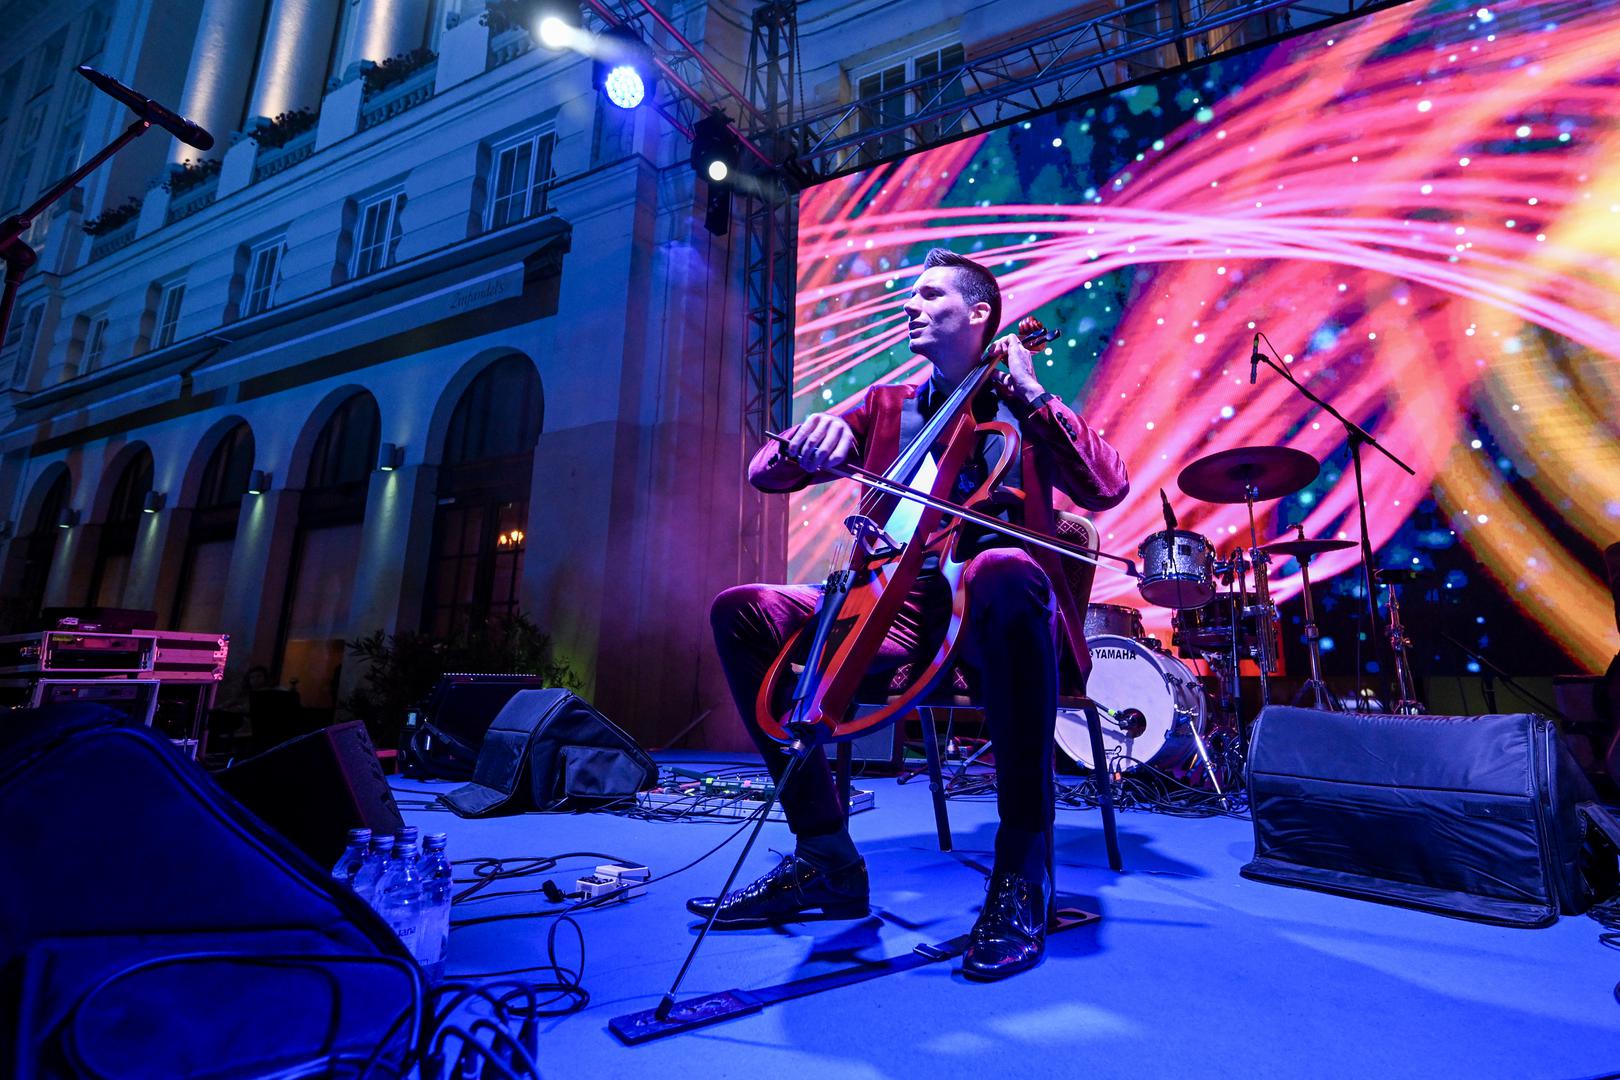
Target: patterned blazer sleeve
[1085, 467]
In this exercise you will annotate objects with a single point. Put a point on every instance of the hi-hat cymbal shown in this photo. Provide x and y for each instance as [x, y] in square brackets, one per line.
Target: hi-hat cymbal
[1306, 548]
[1228, 476]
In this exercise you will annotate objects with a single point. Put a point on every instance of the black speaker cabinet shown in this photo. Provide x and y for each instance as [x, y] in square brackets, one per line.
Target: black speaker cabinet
[315, 788]
[1472, 816]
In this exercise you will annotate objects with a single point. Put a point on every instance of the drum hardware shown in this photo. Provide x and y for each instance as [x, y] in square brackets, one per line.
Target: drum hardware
[1115, 619]
[1302, 549]
[1249, 474]
[1399, 643]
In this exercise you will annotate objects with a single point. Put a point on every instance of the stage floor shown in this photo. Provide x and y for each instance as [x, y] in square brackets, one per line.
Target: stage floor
[1192, 972]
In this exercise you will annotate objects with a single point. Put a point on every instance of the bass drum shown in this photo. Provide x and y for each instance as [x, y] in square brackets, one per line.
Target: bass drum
[1153, 703]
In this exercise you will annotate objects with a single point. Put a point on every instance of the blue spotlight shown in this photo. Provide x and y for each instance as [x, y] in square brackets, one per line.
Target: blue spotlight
[624, 87]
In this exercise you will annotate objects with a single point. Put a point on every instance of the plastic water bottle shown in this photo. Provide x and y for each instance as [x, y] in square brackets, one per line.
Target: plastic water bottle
[353, 855]
[399, 893]
[373, 867]
[437, 887]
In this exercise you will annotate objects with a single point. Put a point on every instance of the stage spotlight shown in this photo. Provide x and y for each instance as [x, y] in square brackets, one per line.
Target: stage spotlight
[556, 23]
[623, 67]
[716, 152]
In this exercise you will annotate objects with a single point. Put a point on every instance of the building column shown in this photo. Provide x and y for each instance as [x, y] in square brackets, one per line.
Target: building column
[391, 28]
[217, 80]
[292, 66]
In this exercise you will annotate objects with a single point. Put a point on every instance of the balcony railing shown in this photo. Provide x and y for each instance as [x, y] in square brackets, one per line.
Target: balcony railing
[508, 45]
[400, 97]
[113, 240]
[197, 197]
[271, 160]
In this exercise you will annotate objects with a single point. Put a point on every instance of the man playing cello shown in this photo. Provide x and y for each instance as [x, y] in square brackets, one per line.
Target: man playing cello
[1009, 639]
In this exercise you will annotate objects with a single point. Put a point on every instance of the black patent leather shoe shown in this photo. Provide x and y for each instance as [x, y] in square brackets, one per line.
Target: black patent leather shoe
[792, 892]
[1010, 934]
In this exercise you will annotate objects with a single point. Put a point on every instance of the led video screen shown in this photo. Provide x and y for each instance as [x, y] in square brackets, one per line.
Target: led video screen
[1420, 208]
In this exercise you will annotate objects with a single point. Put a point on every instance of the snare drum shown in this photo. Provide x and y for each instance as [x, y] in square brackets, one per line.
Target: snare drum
[1153, 703]
[1114, 619]
[1178, 569]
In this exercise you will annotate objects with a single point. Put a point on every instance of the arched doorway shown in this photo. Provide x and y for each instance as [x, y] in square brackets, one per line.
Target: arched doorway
[115, 549]
[326, 552]
[476, 569]
[200, 596]
[37, 550]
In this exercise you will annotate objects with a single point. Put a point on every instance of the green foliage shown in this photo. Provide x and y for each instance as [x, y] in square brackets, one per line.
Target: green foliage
[402, 668]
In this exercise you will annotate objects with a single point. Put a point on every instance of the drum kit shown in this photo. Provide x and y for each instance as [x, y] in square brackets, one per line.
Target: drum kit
[1156, 711]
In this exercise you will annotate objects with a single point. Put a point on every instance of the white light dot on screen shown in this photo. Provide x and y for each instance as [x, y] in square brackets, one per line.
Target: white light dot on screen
[1425, 106]
[1251, 326]
[1523, 131]
[1158, 144]
[1049, 363]
[1048, 352]
[1220, 269]
[1227, 412]
[1515, 408]
[1532, 200]
[1484, 15]
[826, 395]
[1057, 142]
[1465, 162]
[1426, 189]
[1372, 337]
[1469, 331]
[1316, 425]
[1232, 529]
[1476, 444]
[1482, 519]
[1344, 288]
[1461, 231]
[1198, 339]
[1564, 137]
[1150, 425]
[1541, 238]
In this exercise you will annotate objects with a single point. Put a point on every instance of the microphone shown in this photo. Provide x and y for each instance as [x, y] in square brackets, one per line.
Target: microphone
[1169, 514]
[1254, 360]
[149, 110]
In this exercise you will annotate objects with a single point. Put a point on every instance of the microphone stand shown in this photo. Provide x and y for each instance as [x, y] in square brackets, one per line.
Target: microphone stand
[1356, 436]
[18, 256]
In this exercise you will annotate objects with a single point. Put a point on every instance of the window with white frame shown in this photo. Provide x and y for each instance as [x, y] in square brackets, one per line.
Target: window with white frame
[95, 343]
[170, 298]
[377, 234]
[520, 177]
[888, 105]
[17, 351]
[263, 275]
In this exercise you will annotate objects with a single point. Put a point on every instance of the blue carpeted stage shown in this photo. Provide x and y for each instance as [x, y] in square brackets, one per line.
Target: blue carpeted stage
[1192, 972]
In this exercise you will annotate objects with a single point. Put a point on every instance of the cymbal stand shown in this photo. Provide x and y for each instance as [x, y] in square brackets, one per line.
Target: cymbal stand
[1315, 685]
[1265, 635]
[1399, 643]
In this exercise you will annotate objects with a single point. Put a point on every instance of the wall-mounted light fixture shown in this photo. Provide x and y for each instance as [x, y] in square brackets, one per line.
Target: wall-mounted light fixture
[258, 482]
[68, 518]
[152, 503]
[389, 457]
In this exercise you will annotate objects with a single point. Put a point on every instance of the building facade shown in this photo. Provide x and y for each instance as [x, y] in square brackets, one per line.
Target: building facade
[433, 335]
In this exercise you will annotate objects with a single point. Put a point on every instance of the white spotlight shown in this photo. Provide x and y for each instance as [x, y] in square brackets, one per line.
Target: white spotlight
[718, 170]
[554, 33]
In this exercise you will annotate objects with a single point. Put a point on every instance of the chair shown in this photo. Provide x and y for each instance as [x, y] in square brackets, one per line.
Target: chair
[954, 694]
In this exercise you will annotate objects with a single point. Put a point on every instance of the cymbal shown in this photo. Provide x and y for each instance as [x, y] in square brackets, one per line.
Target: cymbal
[1306, 548]
[1227, 475]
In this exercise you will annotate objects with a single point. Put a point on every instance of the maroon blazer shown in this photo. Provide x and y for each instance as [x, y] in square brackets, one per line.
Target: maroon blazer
[1060, 450]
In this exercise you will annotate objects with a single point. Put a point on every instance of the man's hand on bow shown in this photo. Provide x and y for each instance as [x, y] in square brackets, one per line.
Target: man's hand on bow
[823, 441]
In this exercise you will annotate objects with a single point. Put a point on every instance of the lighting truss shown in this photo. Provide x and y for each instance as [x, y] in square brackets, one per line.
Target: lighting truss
[1135, 39]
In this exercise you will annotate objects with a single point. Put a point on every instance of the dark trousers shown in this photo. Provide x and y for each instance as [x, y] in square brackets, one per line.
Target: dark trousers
[1008, 644]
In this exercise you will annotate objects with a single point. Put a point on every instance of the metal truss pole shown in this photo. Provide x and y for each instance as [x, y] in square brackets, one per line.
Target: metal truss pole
[770, 227]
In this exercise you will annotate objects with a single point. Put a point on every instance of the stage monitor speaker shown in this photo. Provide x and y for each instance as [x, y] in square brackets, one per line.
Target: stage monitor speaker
[1472, 816]
[151, 927]
[314, 788]
[443, 735]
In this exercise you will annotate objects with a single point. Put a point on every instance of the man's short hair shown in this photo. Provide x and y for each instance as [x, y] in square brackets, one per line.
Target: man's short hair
[977, 284]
